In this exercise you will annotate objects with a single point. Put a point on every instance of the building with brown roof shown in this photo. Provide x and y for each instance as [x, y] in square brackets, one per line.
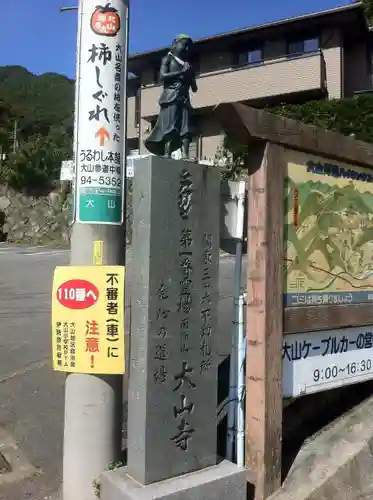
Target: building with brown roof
[324, 55]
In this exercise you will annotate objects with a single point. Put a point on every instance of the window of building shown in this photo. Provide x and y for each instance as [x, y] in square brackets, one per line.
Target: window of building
[156, 74]
[194, 148]
[249, 57]
[156, 77]
[196, 64]
[311, 45]
[303, 46]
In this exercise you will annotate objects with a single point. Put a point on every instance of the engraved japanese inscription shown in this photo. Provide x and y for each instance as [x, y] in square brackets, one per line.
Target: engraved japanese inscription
[174, 320]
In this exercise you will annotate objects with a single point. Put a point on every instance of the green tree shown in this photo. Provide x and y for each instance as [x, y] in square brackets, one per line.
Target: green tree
[231, 157]
[36, 102]
[368, 7]
[5, 126]
[36, 163]
[352, 117]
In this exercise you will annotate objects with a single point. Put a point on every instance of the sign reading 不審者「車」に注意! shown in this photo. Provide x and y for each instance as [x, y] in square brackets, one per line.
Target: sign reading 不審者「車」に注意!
[88, 319]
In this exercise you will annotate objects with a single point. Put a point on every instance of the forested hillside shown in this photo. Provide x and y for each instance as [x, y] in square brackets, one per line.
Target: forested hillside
[36, 102]
[40, 108]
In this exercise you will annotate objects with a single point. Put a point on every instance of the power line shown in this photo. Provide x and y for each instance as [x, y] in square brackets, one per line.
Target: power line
[67, 9]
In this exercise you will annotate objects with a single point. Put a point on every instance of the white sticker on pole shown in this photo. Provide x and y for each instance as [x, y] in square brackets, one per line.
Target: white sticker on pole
[318, 361]
[101, 120]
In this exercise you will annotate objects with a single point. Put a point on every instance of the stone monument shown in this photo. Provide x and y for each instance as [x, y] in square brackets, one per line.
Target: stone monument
[172, 130]
[172, 421]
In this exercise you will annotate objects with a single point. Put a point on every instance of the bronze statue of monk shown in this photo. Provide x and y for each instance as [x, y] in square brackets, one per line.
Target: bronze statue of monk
[172, 130]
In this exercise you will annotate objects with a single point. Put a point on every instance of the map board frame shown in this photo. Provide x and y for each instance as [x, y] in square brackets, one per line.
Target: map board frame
[273, 143]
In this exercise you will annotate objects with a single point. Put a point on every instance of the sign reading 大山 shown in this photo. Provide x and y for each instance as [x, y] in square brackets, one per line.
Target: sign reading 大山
[318, 361]
[100, 115]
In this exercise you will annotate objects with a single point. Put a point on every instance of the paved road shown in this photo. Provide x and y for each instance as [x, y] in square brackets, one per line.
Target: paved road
[31, 394]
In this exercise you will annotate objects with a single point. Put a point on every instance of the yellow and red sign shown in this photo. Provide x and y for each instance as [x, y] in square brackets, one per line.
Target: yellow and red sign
[88, 319]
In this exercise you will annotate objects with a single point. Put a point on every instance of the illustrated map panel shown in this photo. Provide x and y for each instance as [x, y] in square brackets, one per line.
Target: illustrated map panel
[328, 256]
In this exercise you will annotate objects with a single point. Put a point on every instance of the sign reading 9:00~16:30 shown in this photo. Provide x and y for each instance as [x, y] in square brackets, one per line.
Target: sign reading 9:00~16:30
[318, 361]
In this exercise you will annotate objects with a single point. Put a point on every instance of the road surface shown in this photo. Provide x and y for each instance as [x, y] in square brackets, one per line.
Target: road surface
[31, 394]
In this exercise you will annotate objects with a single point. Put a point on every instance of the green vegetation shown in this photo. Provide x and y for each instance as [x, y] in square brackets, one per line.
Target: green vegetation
[41, 108]
[368, 7]
[37, 162]
[351, 117]
[96, 483]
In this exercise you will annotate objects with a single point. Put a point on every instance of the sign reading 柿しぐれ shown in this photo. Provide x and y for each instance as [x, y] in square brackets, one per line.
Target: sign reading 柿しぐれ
[100, 122]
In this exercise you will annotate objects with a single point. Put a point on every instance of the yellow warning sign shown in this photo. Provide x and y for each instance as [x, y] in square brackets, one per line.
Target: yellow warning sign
[88, 319]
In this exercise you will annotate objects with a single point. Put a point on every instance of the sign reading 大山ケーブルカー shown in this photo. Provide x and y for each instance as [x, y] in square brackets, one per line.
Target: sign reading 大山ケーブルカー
[100, 115]
[318, 361]
[88, 319]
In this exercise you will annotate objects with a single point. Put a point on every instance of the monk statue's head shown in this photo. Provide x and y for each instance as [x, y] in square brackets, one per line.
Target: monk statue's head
[182, 46]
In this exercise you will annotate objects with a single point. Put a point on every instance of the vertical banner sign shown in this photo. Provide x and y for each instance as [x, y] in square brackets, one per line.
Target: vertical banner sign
[101, 114]
[76, 111]
[88, 319]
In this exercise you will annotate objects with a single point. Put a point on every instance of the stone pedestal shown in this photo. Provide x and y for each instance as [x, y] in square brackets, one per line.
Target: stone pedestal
[172, 423]
[225, 481]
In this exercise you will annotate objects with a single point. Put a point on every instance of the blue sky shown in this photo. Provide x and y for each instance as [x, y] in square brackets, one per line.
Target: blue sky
[36, 35]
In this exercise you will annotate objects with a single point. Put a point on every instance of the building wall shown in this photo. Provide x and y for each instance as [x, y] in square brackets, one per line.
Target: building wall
[218, 61]
[211, 137]
[248, 84]
[132, 130]
[147, 75]
[215, 61]
[340, 70]
[144, 133]
[332, 47]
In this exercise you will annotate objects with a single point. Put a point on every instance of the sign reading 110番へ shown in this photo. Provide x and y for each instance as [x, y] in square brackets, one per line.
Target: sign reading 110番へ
[100, 139]
[88, 319]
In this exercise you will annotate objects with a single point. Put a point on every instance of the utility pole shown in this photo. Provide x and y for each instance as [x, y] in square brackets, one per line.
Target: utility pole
[15, 130]
[93, 403]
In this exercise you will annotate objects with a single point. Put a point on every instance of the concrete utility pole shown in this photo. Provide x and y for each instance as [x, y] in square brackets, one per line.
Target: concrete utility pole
[15, 130]
[93, 403]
